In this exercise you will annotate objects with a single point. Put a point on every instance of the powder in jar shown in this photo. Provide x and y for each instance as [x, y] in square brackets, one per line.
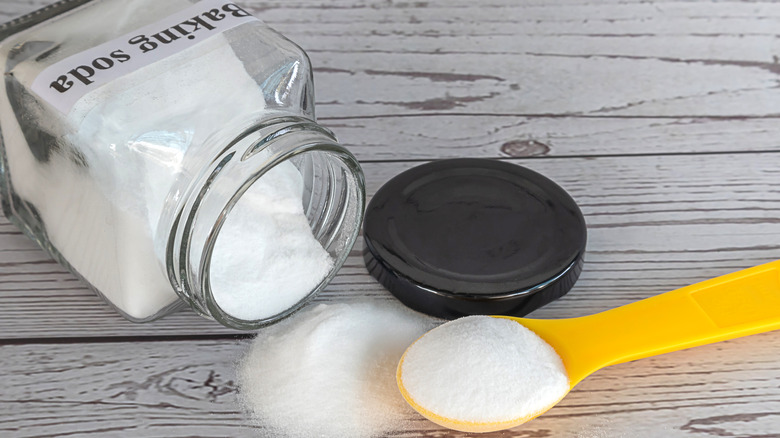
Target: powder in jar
[266, 259]
[483, 369]
[329, 371]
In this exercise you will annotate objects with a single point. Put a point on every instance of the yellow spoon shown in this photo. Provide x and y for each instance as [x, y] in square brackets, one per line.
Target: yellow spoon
[734, 305]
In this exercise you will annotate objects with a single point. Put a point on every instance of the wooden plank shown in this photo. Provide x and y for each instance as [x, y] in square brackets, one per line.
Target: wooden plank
[582, 57]
[187, 388]
[504, 57]
[655, 223]
[429, 137]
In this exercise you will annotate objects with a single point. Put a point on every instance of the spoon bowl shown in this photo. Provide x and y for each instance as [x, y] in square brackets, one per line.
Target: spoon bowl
[735, 305]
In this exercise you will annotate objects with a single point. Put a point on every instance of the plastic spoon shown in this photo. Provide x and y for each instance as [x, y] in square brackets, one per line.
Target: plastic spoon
[734, 305]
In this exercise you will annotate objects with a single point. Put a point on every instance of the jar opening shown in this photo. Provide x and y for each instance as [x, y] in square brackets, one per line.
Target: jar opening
[268, 225]
[280, 241]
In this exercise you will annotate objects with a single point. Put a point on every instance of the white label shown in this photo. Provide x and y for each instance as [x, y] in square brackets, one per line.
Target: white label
[63, 83]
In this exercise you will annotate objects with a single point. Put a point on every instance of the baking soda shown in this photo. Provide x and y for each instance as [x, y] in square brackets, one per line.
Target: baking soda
[329, 371]
[483, 369]
[266, 259]
[120, 153]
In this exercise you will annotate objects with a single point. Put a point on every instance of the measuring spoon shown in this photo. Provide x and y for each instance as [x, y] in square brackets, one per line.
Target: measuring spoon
[734, 305]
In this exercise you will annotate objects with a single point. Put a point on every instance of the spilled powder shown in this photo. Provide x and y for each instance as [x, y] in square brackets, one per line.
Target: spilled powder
[483, 369]
[329, 371]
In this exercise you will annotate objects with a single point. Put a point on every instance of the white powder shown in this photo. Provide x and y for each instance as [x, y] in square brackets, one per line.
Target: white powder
[483, 369]
[266, 259]
[329, 371]
[135, 134]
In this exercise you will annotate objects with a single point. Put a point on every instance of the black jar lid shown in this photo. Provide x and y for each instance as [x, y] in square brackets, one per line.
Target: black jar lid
[474, 236]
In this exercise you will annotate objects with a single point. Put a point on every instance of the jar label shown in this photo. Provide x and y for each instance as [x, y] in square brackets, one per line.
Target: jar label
[63, 83]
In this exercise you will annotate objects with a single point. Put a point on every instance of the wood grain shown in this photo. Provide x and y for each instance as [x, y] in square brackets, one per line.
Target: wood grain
[628, 58]
[435, 136]
[187, 388]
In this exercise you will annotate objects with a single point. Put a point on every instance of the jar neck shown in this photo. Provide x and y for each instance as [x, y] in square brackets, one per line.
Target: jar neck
[333, 203]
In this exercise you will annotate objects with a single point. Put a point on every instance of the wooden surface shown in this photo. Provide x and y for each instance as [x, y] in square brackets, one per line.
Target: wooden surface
[662, 119]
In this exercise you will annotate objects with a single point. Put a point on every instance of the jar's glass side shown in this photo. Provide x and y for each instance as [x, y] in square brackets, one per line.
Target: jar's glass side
[100, 176]
[53, 191]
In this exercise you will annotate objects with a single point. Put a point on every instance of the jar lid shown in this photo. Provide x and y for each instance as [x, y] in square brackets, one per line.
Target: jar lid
[474, 236]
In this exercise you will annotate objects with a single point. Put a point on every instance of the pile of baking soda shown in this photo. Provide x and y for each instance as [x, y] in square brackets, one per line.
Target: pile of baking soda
[329, 370]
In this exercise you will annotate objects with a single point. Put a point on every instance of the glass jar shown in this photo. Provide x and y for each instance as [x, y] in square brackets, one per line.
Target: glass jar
[167, 152]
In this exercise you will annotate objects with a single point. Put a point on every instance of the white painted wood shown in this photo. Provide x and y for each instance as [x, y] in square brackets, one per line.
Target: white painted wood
[427, 137]
[187, 388]
[582, 57]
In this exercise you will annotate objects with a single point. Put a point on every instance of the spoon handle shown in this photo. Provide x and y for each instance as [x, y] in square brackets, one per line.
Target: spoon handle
[734, 305]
